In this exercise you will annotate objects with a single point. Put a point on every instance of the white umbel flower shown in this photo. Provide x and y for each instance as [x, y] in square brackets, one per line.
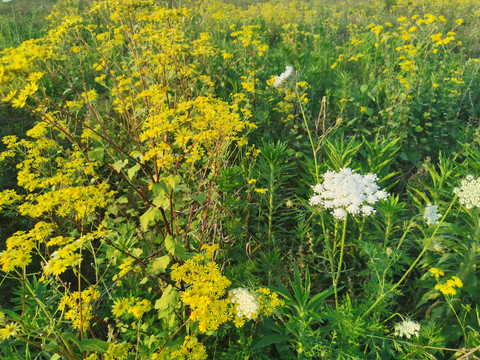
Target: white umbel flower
[246, 304]
[283, 76]
[469, 192]
[407, 328]
[431, 215]
[346, 192]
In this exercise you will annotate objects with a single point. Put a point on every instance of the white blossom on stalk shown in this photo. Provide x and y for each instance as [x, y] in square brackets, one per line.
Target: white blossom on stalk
[431, 215]
[469, 192]
[283, 76]
[407, 328]
[246, 303]
[346, 192]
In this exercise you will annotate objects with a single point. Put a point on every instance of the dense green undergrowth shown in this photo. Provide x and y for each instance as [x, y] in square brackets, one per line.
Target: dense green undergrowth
[255, 180]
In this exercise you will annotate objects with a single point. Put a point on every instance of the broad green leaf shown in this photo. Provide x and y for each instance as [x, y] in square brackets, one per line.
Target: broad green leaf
[162, 200]
[169, 299]
[137, 252]
[174, 247]
[93, 345]
[96, 154]
[159, 265]
[149, 217]
[133, 171]
[269, 340]
[71, 337]
[120, 164]
[200, 198]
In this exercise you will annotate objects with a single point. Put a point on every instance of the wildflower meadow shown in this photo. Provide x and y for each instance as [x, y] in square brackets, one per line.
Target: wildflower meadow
[236, 179]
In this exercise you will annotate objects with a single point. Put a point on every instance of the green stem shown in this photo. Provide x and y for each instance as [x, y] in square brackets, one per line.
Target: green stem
[458, 319]
[309, 135]
[339, 268]
[425, 248]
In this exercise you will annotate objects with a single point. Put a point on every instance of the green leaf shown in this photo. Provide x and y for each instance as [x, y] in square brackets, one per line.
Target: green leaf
[55, 357]
[93, 345]
[200, 198]
[269, 340]
[133, 171]
[168, 300]
[162, 200]
[71, 337]
[159, 265]
[174, 247]
[149, 217]
[120, 164]
[369, 111]
[96, 154]
[137, 252]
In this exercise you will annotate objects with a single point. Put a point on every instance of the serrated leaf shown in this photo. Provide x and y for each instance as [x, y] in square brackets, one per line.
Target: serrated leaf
[168, 300]
[159, 265]
[174, 247]
[96, 154]
[120, 164]
[133, 171]
[149, 217]
[137, 252]
[162, 200]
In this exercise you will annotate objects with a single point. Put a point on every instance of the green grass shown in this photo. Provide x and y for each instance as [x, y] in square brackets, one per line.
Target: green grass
[25, 6]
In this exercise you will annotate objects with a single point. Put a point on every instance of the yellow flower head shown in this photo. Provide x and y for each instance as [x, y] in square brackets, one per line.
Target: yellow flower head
[436, 272]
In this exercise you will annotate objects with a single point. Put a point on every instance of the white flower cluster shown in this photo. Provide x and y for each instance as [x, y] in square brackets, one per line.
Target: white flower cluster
[246, 304]
[283, 76]
[348, 193]
[431, 215]
[407, 328]
[469, 192]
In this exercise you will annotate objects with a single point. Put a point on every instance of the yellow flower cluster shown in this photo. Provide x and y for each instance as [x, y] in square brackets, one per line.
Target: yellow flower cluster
[78, 307]
[132, 305]
[268, 301]
[124, 268]
[436, 272]
[191, 349]
[20, 245]
[117, 351]
[205, 294]
[206, 287]
[448, 288]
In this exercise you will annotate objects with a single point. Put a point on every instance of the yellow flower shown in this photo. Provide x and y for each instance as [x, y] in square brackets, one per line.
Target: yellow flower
[10, 330]
[436, 272]
[140, 308]
[445, 289]
[20, 101]
[457, 281]
[260, 191]
[120, 306]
